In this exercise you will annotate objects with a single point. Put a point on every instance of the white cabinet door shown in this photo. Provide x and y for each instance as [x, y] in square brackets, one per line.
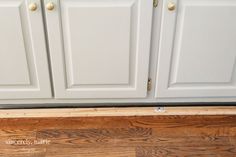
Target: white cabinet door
[197, 49]
[23, 59]
[99, 48]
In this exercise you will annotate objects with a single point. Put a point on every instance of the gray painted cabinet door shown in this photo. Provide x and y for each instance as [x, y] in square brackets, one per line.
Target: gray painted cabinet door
[197, 49]
[99, 48]
[23, 58]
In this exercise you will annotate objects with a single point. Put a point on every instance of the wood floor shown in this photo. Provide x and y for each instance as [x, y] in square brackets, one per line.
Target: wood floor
[135, 136]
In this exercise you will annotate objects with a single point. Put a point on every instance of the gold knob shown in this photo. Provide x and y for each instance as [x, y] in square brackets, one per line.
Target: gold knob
[33, 7]
[50, 6]
[171, 6]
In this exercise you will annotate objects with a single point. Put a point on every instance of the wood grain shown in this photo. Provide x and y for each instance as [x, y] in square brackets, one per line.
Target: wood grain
[117, 111]
[121, 136]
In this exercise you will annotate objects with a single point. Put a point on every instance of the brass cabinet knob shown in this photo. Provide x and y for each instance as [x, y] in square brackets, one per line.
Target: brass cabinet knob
[50, 6]
[171, 6]
[33, 7]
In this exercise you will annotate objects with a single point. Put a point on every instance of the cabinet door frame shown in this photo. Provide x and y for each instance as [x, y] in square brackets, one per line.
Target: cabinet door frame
[33, 38]
[164, 87]
[138, 88]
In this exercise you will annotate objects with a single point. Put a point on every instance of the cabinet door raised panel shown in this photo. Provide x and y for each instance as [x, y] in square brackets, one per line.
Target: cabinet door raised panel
[23, 59]
[197, 49]
[99, 48]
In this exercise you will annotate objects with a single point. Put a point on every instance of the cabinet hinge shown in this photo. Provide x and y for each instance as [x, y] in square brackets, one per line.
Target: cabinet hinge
[149, 84]
[155, 3]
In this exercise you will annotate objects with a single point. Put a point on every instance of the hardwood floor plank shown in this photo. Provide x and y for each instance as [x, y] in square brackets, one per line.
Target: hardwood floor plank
[23, 152]
[79, 141]
[120, 122]
[92, 152]
[191, 131]
[211, 151]
[15, 133]
[119, 133]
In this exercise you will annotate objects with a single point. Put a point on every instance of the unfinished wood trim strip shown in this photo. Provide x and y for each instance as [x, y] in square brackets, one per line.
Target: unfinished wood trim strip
[116, 111]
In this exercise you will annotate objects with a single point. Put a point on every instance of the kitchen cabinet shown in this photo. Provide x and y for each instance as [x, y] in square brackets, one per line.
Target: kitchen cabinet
[117, 51]
[99, 48]
[197, 49]
[23, 58]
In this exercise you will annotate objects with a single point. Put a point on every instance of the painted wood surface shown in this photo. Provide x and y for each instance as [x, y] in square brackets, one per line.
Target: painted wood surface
[197, 50]
[23, 56]
[100, 49]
